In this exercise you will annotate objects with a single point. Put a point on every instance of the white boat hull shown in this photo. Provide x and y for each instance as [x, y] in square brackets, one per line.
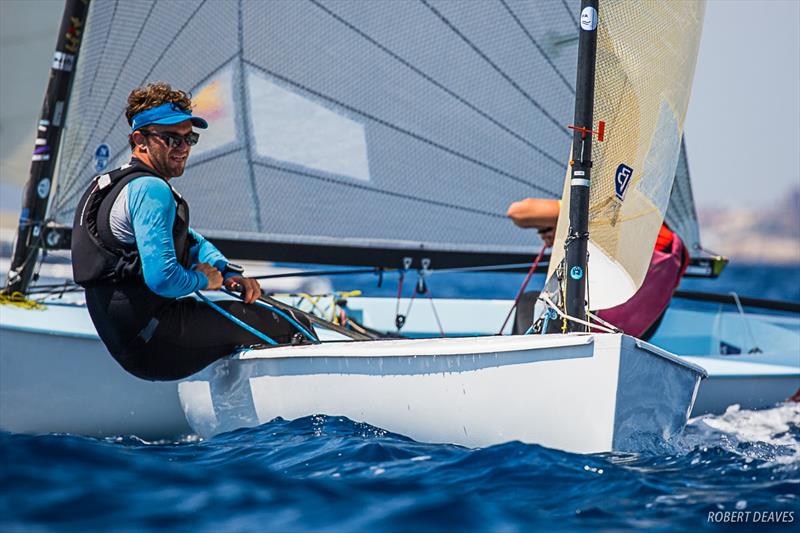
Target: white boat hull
[753, 381]
[57, 377]
[580, 393]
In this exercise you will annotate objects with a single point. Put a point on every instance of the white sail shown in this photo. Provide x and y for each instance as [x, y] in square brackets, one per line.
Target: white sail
[646, 55]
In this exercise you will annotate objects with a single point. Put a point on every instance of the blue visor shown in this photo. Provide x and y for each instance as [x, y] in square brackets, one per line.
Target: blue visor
[165, 114]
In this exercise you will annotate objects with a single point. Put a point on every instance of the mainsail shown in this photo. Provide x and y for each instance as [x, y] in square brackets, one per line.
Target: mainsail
[646, 55]
[380, 129]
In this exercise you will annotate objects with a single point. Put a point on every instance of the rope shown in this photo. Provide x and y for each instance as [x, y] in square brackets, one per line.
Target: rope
[522, 288]
[235, 320]
[605, 323]
[546, 299]
[17, 299]
[314, 273]
[289, 319]
[562, 284]
[380, 270]
[399, 320]
[321, 313]
[435, 314]
[755, 348]
[408, 309]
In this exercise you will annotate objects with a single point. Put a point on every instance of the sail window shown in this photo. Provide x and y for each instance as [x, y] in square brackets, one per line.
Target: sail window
[290, 127]
[662, 159]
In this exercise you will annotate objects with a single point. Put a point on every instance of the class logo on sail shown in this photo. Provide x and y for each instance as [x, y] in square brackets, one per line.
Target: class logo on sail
[622, 179]
[101, 156]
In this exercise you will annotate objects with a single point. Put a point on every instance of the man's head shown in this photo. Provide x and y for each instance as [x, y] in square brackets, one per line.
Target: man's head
[161, 127]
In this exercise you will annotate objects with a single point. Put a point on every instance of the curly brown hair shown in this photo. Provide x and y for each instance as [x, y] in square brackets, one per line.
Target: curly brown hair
[153, 95]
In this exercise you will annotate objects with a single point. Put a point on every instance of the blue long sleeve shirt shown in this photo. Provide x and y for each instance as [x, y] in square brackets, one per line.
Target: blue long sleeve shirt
[152, 211]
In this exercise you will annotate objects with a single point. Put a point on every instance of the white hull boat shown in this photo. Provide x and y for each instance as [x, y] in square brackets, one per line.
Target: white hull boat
[582, 393]
[57, 377]
[393, 187]
[760, 369]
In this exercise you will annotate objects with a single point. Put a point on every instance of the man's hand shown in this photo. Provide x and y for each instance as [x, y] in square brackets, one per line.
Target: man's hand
[548, 235]
[250, 288]
[214, 276]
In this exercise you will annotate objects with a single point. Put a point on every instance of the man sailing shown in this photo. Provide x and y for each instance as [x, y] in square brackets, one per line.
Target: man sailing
[137, 257]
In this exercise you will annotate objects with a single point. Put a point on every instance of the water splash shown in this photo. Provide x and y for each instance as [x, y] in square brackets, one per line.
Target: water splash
[771, 435]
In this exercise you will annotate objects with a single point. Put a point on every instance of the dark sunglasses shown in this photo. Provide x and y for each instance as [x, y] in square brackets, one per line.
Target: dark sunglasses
[172, 140]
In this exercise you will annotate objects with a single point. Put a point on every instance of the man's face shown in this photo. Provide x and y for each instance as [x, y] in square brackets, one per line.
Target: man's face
[168, 162]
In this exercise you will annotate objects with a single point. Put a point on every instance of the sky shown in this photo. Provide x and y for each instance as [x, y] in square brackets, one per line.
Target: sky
[741, 124]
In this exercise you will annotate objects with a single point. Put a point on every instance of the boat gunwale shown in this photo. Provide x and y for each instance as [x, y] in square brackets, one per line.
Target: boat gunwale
[56, 333]
[306, 351]
[672, 358]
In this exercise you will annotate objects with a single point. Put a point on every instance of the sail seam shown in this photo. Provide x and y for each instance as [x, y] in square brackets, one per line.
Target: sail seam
[402, 130]
[537, 45]
[245, 119]
[198, 161]
[571, 14]
[500, 71]
[433, 81]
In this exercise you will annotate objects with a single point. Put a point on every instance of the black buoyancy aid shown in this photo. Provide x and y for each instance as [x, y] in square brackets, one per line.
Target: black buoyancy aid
[123, 308]
[98, 258]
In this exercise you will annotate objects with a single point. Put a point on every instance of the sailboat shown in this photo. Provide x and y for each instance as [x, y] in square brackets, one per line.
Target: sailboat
[388, 134]
[482, 391]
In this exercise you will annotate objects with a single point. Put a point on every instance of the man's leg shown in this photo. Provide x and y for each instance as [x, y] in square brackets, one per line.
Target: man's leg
[191, 335]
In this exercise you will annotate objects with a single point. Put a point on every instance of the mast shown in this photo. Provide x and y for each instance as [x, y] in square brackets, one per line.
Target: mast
[575, 248]
[37, 191]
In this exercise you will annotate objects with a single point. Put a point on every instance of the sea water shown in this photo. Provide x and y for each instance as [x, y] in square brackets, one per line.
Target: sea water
[330, 473]
[739, 469]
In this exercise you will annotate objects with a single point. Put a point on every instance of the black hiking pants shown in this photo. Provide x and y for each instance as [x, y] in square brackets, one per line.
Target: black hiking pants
[189, 335]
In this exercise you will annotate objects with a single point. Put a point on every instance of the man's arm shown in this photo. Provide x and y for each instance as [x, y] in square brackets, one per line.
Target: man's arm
[152, 209]
[537, 213]
[205, 252]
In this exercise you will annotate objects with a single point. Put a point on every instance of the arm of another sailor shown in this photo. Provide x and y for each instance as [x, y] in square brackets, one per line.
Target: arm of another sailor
[152, 210]
[539, 213]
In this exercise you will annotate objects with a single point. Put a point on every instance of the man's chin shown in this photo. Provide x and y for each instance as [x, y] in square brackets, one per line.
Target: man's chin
[177, 171]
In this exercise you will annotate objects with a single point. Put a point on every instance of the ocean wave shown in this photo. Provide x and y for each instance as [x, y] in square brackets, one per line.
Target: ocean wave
[327, 472]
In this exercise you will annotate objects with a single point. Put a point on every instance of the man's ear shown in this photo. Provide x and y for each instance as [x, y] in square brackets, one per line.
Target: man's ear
[139, 140]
